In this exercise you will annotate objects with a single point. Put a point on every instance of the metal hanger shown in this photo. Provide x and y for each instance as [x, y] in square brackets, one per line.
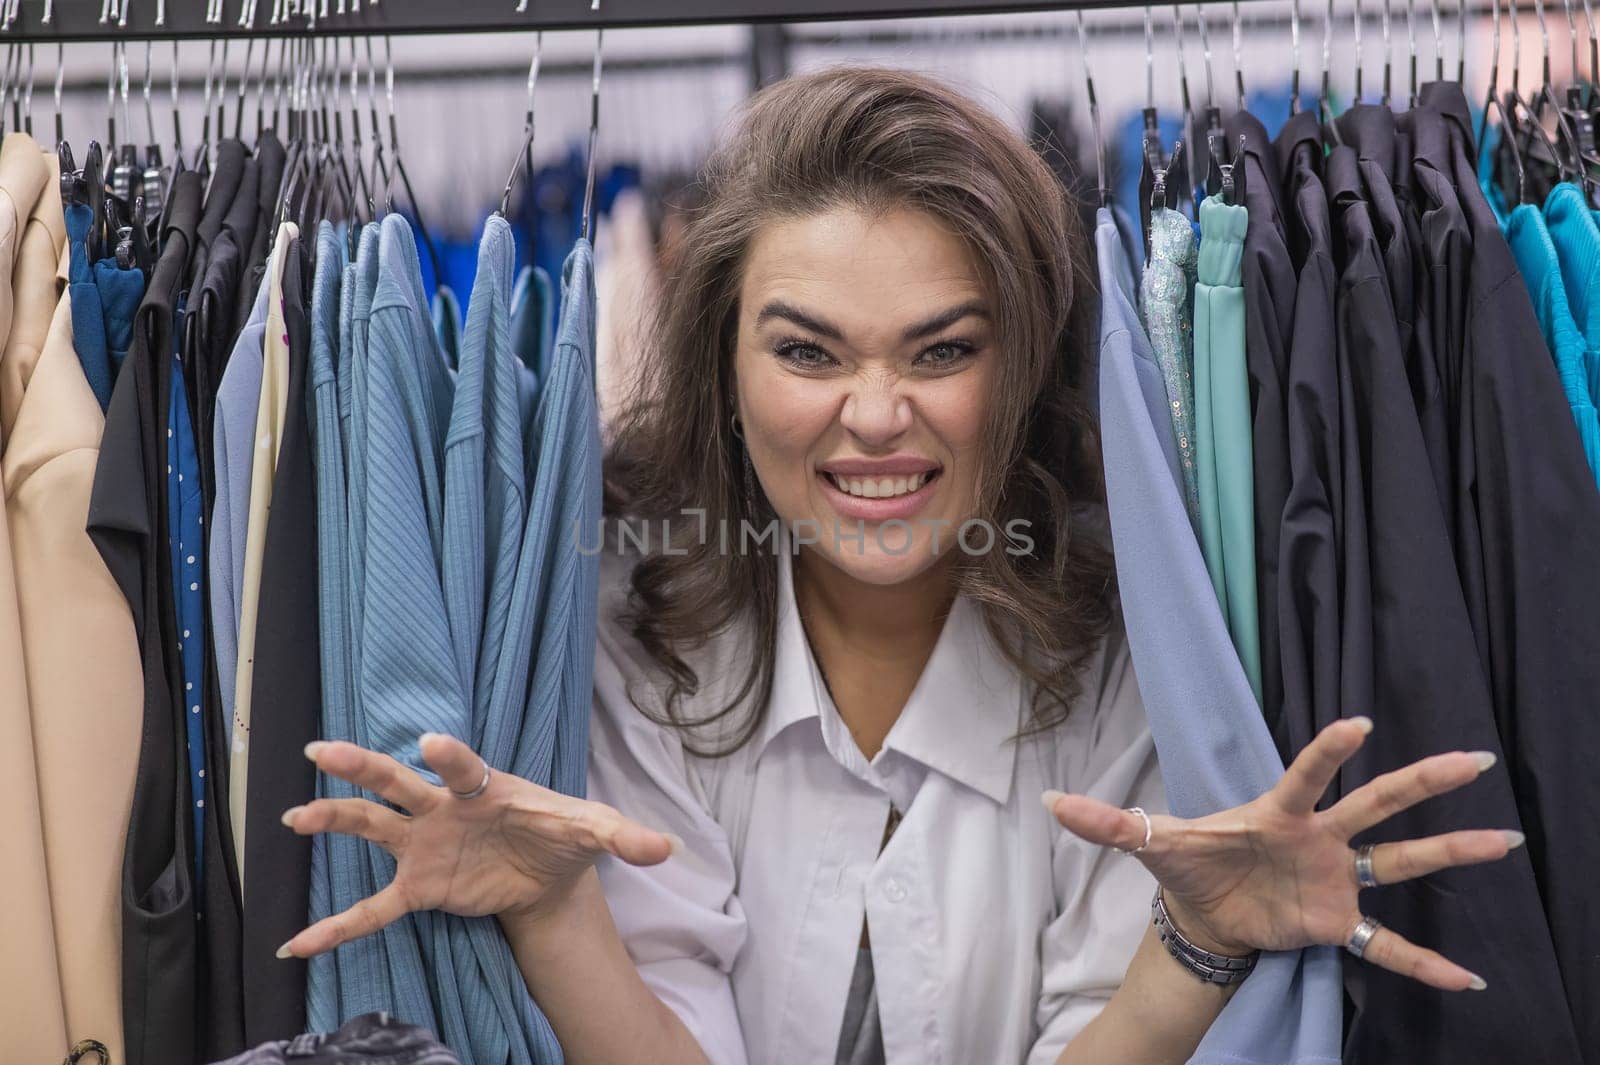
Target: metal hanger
[380, 164]
[1183, 75]
[1158, 173]
[363, 187]
[1220, 171]
[587, 231]
[153, 180]
[399, 164]
[1388, 65]
[1324, 91]
[1438, 44]
[1518, 192]
[1594, 51]
[1294, 53]
[1238, 57]
[1360, 59]
[524, 157]
[177, 117]
[1101, 188]
[1411, 51]
[1574, 116]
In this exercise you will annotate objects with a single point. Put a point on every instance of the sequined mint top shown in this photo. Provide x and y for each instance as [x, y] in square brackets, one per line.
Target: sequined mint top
[1166, 301]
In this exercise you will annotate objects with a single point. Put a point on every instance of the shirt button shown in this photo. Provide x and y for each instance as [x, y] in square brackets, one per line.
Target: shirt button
[893, 890]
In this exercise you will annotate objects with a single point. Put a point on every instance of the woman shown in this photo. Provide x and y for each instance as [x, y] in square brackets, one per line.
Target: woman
[819, 746]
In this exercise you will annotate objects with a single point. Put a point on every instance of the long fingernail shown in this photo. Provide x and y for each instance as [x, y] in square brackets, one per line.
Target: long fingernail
[675, 841]
[313, 748]
[1485, 760]
[1478, 984]
[425, 737]
[1049, 798]
[1363, 722]
[1514, 839]
[283, 951]
[289, 815]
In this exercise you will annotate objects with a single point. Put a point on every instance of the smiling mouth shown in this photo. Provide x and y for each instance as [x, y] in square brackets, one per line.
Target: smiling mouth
[881, 487]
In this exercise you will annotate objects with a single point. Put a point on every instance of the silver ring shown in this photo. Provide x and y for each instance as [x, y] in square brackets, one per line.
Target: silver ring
[1365, 877]
[1148, 829]
[1362, 936]
[482, 787]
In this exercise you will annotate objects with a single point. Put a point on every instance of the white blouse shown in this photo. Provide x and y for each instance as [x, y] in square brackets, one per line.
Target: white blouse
[995, 934]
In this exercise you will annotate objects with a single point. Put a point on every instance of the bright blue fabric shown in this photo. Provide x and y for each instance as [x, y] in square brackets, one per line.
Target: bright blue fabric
[185, 536]
[88, 324]
[233, 446]
[1541, 272]
[1214, 746]
[120, 293]
[1577, 240]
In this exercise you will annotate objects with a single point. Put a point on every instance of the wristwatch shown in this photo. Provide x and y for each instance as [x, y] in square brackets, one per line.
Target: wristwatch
[1223, 970]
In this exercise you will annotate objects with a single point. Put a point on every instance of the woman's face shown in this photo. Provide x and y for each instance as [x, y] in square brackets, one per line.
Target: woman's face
[864, 364]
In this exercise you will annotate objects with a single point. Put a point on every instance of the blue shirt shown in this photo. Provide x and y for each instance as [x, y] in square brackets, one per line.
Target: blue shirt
[88, 324]
[1577, 240]
[1541, 271]
[1213, 743]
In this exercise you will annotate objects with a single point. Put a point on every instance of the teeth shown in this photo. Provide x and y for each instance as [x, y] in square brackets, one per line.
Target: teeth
[879, 487]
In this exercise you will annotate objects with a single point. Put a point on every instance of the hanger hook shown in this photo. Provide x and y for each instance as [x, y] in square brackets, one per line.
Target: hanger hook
[1294, 56]
[1149, 60]
[1327, 50]
[1572, 37]
[1360, 61]
[594, 131]
[1388, 66]
[1516, 50]
[1094, 115]
[1238, 55]
[1438, 45]
[1594, 45]
[1205, 51]
[1544, 37]
[149, 112]
[61, 59]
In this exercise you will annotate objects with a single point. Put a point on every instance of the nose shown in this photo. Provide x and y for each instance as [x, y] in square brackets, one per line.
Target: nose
[875, 412]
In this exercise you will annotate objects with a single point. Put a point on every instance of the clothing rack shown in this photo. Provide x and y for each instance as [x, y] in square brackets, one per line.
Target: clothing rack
[80, 20]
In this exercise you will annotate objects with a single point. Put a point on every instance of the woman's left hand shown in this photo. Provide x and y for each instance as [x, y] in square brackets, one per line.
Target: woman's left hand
[1278, 874]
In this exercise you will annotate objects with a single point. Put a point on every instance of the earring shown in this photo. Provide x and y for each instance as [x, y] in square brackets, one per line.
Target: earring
[738, 430]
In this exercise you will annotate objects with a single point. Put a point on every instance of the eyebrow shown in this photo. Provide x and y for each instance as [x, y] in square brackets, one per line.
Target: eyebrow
[926, 328]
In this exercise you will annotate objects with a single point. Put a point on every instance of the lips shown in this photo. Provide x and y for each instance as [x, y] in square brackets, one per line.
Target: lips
[879, 495]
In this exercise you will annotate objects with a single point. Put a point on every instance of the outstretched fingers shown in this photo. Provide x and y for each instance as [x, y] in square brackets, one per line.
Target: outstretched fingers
[1384, 796]
[377, 773]
[597, 827]
[1101, 823]
[1308, 776]
[1393, 951]
[459, 766]
[352, 817]
[364, 918]
[1393, 863]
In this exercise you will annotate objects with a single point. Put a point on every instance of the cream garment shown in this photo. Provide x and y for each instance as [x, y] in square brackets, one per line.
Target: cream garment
[996, 935]
[32, 1014]
[83, 665]
[271, 410]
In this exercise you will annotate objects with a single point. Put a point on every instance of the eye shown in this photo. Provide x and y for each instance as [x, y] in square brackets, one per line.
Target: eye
[803, 354]
[945, 353]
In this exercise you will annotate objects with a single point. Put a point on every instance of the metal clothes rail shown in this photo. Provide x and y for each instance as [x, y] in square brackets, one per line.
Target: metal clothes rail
[80, 20]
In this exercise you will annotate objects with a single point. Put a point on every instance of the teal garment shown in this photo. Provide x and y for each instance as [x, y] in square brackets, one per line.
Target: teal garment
[447, 324]
[1224, 457]
[1166, 300]
[1577, 239]
[1540, 267]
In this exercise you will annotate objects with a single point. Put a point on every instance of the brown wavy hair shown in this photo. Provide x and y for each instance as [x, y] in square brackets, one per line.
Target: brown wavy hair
[874, 139]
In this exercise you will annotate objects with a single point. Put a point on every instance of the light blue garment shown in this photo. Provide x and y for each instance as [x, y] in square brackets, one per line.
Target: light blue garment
[530, 336]
[1577, 240]
[485, 484]
[1541, 272]
[408, 994]
[1213, 744]
[120, 294]
[353, 979]
[233, 436]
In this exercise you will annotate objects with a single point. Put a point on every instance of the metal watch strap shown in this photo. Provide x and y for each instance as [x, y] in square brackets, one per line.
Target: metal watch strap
[1223, 970]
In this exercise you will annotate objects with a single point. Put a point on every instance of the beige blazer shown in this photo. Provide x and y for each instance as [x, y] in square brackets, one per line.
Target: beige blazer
[32, 1013]
[84, 681]
[271, 410]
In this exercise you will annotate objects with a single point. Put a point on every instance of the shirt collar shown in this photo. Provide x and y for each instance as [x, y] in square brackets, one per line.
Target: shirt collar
[960, 719]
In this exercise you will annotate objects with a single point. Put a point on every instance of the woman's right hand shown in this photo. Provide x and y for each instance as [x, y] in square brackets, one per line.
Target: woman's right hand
[513, 850]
